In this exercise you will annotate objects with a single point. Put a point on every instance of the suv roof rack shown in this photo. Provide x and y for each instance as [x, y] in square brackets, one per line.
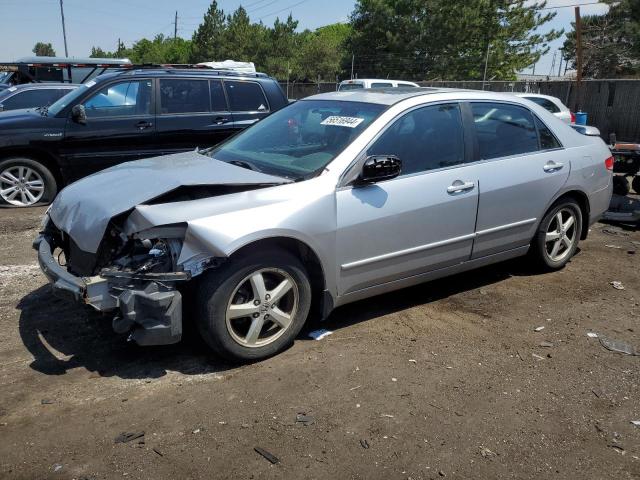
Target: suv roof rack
[181, 67]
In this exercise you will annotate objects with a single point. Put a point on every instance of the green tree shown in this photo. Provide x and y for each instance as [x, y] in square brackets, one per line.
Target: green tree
[42, 49]
[441, 39]
[207, 39]
[97, 52]
[611, 42]
[322, 52]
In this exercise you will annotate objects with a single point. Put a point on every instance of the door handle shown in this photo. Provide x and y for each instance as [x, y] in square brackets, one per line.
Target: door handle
[220, 120]
[552, 166]
[143, 124]
[459, 186]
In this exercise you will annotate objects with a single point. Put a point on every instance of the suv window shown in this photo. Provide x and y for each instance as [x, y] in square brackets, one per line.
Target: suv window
[350, 86]
[184, 96]
[424, 139]
[120, 99]
[381, 85]
[32, 98]
[503, 129]
[545, 103]
[548, 140]
[246, 97]
[218, 101]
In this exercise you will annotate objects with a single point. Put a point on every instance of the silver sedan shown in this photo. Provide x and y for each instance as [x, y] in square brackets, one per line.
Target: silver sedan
[335, 198]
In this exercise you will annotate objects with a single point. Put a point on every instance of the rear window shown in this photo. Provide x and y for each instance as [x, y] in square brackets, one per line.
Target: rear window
[545, 103]
[503, 130]
[381, 85]
[184, 96]
[246, 97]
[350, 86]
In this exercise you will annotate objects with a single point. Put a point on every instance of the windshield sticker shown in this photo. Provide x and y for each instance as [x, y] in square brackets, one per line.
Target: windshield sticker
[336, 121]
[12, 89]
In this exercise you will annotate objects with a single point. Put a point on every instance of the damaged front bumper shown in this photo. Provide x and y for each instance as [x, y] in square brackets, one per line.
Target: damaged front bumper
[149, 307]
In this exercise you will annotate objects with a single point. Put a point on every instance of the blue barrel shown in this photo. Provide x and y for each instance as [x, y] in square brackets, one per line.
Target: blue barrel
[581, 118]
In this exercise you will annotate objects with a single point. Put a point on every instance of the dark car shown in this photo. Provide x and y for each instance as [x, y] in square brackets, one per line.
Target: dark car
[33, 95]
[124, 116]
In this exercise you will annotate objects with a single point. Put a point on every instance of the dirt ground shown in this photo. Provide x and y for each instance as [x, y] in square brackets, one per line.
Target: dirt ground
[447, 379]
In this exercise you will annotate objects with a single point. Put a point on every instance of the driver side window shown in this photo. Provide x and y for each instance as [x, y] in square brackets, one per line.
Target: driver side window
[424, 139]
[120, 99]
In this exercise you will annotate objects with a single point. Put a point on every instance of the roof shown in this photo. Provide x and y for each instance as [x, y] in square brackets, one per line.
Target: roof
[74, 61]
[184, 72]
[43, 85]
[381, 80]
[382, 96]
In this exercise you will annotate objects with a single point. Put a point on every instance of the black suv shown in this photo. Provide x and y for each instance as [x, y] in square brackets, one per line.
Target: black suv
[121, 116]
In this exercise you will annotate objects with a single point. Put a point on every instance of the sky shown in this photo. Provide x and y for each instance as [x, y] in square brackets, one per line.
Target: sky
[101, 23]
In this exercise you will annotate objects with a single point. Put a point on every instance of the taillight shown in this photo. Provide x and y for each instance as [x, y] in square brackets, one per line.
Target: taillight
[608, 163]
[573, 117]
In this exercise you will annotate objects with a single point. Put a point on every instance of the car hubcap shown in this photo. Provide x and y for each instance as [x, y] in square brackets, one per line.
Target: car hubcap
[262, 307]
[21, 186]
[561, 235]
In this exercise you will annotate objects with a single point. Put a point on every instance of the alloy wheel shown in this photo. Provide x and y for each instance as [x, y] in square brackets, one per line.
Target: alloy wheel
[21, 186]
[561, 235]
[262, 307]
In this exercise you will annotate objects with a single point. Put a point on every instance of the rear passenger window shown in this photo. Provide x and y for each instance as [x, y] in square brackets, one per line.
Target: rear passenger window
[545, 103]
[30, 99]
[424, 139]
[184, 96]
[218, 102]
[503, 130]
[548, 140]
[246, 97]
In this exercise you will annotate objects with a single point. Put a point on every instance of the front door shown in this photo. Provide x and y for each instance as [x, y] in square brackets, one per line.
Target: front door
[520, 174]
[120, 127]
[192, 113]
[421, 221]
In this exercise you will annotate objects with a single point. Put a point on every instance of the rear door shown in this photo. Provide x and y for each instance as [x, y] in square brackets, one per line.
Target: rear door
[247, 101]
[192, 112]
[521, 167]
[422, 220]
[120, 127]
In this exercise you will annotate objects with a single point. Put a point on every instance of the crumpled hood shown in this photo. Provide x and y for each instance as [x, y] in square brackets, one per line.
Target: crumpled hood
[84, 208]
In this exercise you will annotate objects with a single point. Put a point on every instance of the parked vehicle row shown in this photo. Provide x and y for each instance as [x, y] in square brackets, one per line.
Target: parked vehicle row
[122, 116]
[332, 199]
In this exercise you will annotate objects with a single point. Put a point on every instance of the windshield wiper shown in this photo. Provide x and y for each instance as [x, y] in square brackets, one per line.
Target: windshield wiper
[244, 164]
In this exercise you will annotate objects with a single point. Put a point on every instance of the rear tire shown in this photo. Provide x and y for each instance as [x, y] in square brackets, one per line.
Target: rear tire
[558, 235]
[254, 306]
[620, 185]
[25, 183]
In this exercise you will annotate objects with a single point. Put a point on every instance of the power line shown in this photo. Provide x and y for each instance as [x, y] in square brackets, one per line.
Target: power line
[572, 5]
[283, 9]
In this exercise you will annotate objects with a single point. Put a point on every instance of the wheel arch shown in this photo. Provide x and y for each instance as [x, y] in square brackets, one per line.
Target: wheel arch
[41, 156]
[321, 299]
[583, 202]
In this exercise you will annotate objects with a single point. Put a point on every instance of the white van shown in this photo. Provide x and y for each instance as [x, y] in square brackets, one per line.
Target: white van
[373, 83]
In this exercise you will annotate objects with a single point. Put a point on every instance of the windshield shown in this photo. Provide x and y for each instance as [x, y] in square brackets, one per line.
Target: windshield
[349, 86]
[301, 139]
[58, 105]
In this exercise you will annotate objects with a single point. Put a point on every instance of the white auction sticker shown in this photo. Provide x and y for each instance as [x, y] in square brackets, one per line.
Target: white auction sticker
[351, 122]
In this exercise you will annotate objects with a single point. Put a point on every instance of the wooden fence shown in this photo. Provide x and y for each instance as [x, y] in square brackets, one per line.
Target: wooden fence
[612, 105]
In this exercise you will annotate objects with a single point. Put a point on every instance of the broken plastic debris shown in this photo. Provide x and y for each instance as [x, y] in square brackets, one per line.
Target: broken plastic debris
[269, 456]
[538, 329]
[636, 423]
[485, 452]
[613, 246]
[125, 437]
[617, 285]
[319, 334]
[364, 444]
[618, 346]
[535, 355]
[411, 360]
[546, 344]
[592, 335]
[305, 419]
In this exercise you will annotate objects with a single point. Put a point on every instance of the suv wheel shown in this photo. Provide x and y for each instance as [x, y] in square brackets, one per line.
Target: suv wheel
[558, 235]
[254, 306]
[25, 182]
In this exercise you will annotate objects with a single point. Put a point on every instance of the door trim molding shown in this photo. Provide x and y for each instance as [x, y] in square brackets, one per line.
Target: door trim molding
[507, 226]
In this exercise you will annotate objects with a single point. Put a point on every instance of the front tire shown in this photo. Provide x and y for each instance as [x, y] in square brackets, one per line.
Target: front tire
[558, 235]
[254, 306]
[25, 183]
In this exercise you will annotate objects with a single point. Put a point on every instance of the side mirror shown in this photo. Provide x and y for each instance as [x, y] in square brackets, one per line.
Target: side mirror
[380, 167]
[78, 114]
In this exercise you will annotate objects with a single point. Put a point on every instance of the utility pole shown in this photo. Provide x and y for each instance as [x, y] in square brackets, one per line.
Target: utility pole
[578, 59]
[175, 27]
[560, 66]
[64, 31]
[353, 59]
[486, 64]
[553, 63]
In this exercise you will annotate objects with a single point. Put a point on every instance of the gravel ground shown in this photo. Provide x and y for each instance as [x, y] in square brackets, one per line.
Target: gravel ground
[449, 378]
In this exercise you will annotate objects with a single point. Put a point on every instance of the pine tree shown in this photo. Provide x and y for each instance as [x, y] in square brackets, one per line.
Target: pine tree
[207, 43]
